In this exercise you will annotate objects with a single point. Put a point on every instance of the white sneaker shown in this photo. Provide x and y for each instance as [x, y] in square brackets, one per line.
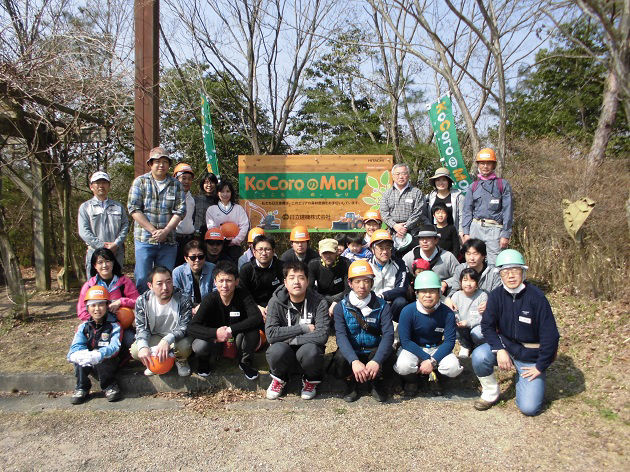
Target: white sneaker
[275, 389]
[148, 373]
[309, 390]
[464, 352]
[183, 369]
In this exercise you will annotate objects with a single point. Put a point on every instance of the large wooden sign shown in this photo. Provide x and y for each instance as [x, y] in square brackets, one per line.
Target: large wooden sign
[323, 192]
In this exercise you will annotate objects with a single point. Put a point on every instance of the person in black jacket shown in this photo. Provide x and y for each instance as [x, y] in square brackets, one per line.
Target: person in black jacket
[208, 197]
[300, 249]
[329, 275]
[449, 239]
[227, 315]
[297, 331]
[520, 332]
[262, 275]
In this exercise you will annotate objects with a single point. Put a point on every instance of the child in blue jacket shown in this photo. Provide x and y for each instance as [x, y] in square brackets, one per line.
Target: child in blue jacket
[95, 348]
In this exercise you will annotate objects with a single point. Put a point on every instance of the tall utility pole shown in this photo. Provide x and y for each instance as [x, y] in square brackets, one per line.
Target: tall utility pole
[147, 96]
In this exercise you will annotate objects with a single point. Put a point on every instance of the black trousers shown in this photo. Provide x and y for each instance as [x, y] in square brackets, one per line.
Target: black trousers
[342, 368]
[246, 344]
[284, 359]
[104, 370]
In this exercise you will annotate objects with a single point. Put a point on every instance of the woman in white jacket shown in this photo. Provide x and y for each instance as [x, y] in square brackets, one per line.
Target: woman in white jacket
[228, 211]
[453, 199]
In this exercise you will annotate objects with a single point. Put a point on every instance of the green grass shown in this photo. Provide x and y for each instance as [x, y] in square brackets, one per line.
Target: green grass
[602, 410]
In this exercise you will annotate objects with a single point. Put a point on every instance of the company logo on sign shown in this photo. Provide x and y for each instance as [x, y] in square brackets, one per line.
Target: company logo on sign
[302, 185]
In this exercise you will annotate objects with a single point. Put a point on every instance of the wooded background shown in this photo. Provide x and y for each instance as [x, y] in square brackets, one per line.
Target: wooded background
[546, 83]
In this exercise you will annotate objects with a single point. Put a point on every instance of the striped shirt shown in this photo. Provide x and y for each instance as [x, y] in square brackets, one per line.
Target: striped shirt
[158, 206]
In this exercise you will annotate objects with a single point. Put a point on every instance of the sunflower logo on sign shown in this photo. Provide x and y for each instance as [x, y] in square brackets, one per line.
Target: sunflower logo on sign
[378, 189]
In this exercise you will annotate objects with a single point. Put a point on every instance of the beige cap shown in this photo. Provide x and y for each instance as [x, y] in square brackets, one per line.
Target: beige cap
[441, 172]
[328, 245]
[158, 152]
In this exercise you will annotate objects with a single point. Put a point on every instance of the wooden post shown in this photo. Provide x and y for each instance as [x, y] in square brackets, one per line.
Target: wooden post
[146, 120]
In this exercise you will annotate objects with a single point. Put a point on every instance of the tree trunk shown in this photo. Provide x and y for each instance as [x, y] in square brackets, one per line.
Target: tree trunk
[408, 118]
[15, 283]
[610, 102]
[395, 130]
[63, 187]
[41, 230]
[67, 229]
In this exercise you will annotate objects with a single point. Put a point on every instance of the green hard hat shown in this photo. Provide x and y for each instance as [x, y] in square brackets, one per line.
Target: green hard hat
[427, 279]
[510, 257]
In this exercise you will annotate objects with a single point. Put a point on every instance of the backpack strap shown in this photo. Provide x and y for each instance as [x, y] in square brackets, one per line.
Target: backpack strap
[416, 253]
[499, 185]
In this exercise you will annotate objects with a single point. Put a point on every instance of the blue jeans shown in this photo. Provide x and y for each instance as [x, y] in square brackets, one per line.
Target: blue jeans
[529, 394]
[149, 256]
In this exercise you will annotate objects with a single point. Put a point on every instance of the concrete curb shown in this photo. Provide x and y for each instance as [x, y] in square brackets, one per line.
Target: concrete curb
[133, 382]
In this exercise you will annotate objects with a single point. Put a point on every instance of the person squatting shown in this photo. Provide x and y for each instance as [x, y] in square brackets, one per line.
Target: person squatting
[396, 298]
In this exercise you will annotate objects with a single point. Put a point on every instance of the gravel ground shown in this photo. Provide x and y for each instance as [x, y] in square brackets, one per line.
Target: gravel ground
[289, 434]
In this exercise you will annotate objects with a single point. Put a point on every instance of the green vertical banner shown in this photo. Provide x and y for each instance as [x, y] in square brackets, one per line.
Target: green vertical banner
[443, 123]
[208, 136]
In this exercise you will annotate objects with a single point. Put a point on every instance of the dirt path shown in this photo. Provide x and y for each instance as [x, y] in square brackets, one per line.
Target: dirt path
[326, 434]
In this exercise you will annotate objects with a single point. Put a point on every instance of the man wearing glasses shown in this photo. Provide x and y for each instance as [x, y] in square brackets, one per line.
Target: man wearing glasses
[194, 276]
[391, 279]
[262, 275]
[403, 207]
[520, 332]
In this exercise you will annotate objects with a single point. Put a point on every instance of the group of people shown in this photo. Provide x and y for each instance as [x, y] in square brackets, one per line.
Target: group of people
[396, 296]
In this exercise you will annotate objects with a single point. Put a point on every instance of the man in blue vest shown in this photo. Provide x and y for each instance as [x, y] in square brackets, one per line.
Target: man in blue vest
[365, 334]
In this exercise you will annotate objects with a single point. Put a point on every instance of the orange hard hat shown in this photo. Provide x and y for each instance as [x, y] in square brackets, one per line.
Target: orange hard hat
[299, 233]
[486, 155]
[360, 268]
[372, 215]
[182, 168]
[125, 316]
[159, 368]
[229, 230]
[214, 234]
[381, 235]
[253, 233]
[96, 293]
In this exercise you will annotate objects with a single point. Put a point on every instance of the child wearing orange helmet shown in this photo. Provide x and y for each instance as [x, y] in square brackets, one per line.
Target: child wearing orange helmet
[95, 346]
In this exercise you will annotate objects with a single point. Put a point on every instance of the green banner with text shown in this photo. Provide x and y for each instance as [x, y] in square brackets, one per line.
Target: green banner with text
[208, 137]
[443, 123]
